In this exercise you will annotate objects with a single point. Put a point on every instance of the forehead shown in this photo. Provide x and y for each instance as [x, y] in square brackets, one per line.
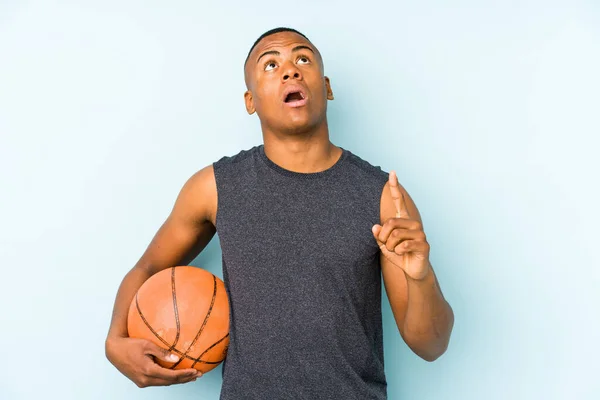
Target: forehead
[278, 41]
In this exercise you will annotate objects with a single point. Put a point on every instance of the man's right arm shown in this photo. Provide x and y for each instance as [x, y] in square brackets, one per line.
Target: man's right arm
[184, 234]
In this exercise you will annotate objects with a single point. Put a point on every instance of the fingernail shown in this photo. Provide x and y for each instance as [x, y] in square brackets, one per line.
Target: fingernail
[172, 357]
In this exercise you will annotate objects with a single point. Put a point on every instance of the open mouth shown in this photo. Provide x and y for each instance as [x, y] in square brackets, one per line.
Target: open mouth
[294, 96]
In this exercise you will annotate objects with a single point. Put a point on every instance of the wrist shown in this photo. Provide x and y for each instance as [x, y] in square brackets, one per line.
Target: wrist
[111, 346]
[426, 276]
[113, 338]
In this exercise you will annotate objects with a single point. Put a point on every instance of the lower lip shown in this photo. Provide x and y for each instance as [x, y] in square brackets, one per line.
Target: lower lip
[296, 103]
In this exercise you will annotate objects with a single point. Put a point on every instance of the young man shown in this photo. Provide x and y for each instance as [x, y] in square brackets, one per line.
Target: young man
[307, 229]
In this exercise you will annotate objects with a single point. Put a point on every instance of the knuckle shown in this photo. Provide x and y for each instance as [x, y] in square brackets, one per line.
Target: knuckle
[151, 346]
[147, 346]
[142, 382]
[145, 370]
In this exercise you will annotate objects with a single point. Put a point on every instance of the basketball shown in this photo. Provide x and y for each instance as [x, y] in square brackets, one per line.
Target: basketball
[183, 309]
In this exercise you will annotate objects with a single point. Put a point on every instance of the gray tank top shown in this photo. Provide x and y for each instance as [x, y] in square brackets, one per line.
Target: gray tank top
[301, 268]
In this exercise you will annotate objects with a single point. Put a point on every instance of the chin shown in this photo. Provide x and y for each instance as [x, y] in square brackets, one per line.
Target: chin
[300, 126]
[301, 123]
[293, 123]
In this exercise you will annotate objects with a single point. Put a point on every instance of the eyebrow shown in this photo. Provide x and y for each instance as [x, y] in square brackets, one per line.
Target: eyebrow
[276, 53]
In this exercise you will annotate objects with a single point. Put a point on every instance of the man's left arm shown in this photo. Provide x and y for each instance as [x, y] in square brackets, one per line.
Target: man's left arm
[424, 318]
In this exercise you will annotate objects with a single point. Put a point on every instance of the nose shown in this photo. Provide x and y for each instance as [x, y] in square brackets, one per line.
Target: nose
[291, 71]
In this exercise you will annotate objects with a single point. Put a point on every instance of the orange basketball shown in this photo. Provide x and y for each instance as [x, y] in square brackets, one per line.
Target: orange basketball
[185, 310]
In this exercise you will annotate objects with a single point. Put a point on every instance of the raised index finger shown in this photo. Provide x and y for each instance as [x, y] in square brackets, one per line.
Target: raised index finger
[397, 196]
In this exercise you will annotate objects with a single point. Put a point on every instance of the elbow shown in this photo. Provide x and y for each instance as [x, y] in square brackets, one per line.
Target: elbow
[432, 354]
[429, 347]
[428, 350]
[432, 343]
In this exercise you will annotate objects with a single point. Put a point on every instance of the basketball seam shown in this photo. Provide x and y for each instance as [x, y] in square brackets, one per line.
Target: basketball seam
[175, 309]
[206, 351]
[212, 303]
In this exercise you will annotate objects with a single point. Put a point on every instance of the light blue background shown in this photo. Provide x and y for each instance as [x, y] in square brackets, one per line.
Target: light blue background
[488, 111]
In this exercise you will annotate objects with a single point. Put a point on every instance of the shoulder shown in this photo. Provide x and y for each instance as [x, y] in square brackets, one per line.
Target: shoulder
[199, 193]
[366, 178]
[201, 188]
[364, 167]
[198, 196]
[202, 180]
[232, 160]
[381, 189]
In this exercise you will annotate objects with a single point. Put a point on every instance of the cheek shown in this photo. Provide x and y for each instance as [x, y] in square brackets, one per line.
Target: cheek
[319, 89]
[267, 90]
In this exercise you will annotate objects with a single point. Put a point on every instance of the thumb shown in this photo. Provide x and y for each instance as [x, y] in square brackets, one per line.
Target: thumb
[159, 352]
[376, 229]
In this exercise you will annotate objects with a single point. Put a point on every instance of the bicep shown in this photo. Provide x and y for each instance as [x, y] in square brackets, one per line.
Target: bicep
[188, 228]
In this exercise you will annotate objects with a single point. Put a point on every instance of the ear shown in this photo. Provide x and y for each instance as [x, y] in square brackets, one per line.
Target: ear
[249, 102]
[329, 91]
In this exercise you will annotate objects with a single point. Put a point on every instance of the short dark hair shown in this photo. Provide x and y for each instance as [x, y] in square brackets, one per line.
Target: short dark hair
[272, 32]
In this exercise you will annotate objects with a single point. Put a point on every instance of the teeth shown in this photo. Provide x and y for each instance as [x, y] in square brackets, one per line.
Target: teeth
[289, 95]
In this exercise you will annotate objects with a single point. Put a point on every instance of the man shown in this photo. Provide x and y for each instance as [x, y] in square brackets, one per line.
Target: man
[306, 229]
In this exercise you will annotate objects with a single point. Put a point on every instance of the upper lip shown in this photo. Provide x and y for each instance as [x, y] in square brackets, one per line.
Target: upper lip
[293, 89]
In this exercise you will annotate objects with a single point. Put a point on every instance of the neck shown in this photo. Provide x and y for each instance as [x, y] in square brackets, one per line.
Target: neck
[301, 151]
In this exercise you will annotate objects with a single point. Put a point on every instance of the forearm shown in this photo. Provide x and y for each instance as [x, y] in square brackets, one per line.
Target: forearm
[429, 318]
[129, 286]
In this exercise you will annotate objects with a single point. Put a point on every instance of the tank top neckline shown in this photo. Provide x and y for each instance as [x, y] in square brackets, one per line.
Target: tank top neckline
[301, 175]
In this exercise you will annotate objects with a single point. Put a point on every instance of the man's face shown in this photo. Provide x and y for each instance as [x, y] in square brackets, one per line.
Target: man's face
[285, 81]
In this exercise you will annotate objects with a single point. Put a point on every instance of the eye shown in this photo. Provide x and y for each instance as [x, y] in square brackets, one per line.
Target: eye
[270, 65]
[303, 60]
